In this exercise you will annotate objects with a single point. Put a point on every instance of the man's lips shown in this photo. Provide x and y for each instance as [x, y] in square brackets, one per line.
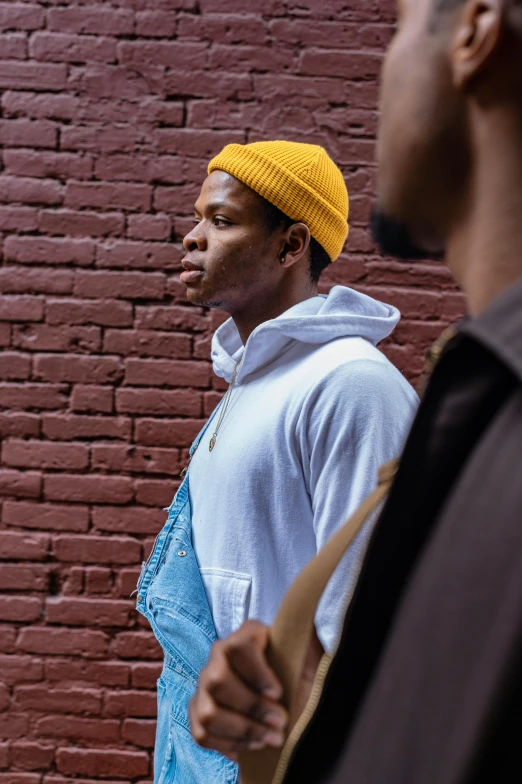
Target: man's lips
[191, 272]
[191, 276]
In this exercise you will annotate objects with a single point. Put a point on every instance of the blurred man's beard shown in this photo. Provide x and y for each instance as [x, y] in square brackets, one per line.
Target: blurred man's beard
[394, 239]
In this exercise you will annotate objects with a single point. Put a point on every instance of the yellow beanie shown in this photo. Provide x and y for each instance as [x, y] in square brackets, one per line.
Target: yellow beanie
[299, 179]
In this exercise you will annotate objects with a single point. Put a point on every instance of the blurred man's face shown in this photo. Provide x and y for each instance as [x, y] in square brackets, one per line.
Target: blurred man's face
[422, 154]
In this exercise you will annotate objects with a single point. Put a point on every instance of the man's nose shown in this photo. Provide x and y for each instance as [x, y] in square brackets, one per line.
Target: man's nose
[195, 239]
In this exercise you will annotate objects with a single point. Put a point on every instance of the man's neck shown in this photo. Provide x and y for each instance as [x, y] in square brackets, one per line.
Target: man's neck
[484, 250]
[248, 318]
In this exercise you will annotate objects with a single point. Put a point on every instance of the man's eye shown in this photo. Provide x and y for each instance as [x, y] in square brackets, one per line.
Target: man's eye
[195, 221]
[221, 222]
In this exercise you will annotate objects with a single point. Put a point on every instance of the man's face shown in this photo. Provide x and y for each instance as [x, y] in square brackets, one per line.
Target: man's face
[231, 259]
[422, 150]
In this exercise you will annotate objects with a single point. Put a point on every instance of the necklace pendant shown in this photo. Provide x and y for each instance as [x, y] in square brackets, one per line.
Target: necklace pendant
[212, 443]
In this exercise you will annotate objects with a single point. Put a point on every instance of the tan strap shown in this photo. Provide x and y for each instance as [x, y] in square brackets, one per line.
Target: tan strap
[291, 631]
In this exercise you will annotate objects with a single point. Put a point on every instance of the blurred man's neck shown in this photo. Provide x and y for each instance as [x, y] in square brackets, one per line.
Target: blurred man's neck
[484, 250]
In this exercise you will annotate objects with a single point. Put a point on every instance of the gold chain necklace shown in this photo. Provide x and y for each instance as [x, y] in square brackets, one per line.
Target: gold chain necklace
[224, 407]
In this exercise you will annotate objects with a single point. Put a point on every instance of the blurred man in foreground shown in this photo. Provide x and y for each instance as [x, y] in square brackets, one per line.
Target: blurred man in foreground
[426, 686]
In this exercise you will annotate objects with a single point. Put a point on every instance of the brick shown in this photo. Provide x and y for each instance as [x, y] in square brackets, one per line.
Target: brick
[59, 166]
[149, 285]
[139, 732]
[5, 334]
[167, 432]
[31, 756]
[149, 227]
[77, 369]
[170, 318]
[132, 519]
[61, 48]
[14, 46]
[226, 28]
[23, 546]
[98, 580]
[22, 577]
[88, 224]
[20, 778]
[68, 642]
[147, 343]
[106, 313]
[136, 645]
[38, 454]
[18, 483]
[17, 218]
[87, 488]
[20, 669]
[130, 703]
[154, 492]
[135, 459]
[33, 76]
[155, 24]
[88, 612]
[48, 517]
[7, 638]
[20, 16]
[98, 672]
[4, 697]
[32, 280]
[30, 190]
[42, 337]
[14, 366]
[151, 372]
[19, 425]
[94, 19]
[176, 402]
[13, 725]
[78, 761]
[66, 700]
[107, 195]
[21, 309]
[195, 143]
[33, 396]
[154, 169]
[20, 609]
[39, 105]
[38, 250]
[97, 549]
[127, 581]
[145, 255]
[91, 398]
[144, 675]
[73, 728]
[65, 427]
[119, 83]
[28, 133]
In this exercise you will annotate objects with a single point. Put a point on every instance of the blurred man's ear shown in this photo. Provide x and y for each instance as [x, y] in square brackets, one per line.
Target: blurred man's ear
[476, 38]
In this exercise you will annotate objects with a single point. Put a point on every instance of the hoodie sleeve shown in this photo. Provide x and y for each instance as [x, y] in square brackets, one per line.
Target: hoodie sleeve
[353, 421]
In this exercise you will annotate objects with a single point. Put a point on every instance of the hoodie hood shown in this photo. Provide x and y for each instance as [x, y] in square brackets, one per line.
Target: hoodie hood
[342, 313]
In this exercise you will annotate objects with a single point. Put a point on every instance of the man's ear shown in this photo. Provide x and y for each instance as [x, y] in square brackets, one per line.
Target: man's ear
[477, 38]
[296, 243]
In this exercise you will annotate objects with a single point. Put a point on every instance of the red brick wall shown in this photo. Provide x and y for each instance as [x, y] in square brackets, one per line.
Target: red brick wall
[109, 113]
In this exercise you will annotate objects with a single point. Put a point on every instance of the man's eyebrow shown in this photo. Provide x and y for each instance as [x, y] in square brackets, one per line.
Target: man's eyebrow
[213, 206]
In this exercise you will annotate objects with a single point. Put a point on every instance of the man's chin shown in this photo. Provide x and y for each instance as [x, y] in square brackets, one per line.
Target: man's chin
[394, 238]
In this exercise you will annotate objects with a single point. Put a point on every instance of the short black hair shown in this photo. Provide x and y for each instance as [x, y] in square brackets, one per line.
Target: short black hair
[276, 219]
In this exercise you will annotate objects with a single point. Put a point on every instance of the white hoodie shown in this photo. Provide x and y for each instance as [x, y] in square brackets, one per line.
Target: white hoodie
[316, 409]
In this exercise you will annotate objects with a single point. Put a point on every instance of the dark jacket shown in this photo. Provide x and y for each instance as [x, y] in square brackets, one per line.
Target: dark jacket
[426, 686]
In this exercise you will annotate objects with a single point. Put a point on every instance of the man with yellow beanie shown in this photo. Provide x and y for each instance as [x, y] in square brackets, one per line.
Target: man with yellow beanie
[312, 410]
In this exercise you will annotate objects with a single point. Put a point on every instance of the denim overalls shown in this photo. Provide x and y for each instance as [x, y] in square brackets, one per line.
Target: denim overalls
[172, 597]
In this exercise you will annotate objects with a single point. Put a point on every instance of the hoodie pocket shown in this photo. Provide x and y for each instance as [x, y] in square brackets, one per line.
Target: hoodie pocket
[228, 596]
